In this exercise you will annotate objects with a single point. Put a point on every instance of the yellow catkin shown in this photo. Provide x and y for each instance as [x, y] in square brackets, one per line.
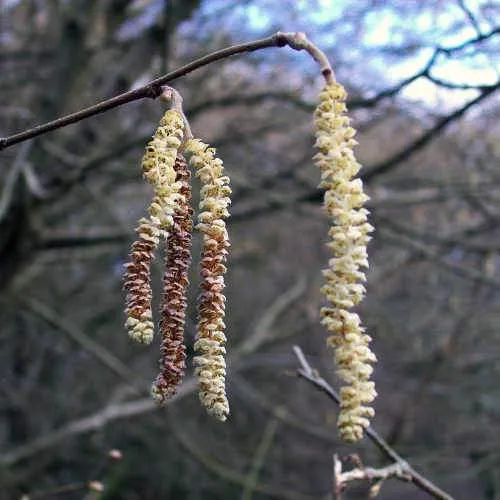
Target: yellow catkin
[158, 169]
[349, 236]
[210, 341]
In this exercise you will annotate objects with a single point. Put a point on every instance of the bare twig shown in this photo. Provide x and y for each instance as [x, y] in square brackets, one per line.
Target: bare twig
[427, 137]
[11, 179]
[262, 331]
[337, 470]
[153, 89]
[66, 488]
[341, 479]
[316, 195]
[255, 397]
[83, 425]
[101, 353]
[472, 41]
[299, 41]
[228, 474]
[470, 16]
[308, 373]
[469, 273]
[262, 450]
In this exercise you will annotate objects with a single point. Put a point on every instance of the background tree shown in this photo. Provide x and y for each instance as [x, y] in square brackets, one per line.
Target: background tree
[422, 82]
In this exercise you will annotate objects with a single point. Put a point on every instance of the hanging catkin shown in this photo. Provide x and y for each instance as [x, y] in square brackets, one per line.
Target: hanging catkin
[349, 233]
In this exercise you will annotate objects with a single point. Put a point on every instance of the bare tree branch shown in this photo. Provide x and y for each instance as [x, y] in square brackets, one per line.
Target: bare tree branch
[102, 354]
[427, 137]
[341, 479]
[252, 479]
[230, 475]
[153, 89]
[311, 375]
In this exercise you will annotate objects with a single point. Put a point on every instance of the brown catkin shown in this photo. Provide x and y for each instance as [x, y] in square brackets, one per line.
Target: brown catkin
[158, 169]
[210, 340]
[175, 282]
[137, 283]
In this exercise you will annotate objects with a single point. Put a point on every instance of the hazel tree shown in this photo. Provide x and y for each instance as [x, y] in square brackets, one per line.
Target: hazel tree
[170, 159]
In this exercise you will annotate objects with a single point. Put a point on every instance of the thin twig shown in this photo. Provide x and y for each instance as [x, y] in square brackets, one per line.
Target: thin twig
[153, 89]
[388, 165]
[11, 180]
[66, 488]
[254, 397]
[252, 479]
[93, 422]
[81, 338]
[341, 479]
[228, 474]
[337, 470]
[308, 373]
[263, 329]
[471, 17]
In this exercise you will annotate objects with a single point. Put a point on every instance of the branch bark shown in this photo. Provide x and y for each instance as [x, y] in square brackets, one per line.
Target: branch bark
[153, 89]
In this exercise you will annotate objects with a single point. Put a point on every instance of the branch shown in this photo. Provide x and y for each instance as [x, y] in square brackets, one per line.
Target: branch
[472, 41]
[222, 471]
[308, 373]
[153, 89]
[252, 479]
[255, 398]
[83, 425]
[425, 72]
[263, 329]
[423, 140]
[11, 180]
[341, 479]
[462, 271]
[316, 195]
[289, 97]
[470, 16]
[82, 339]
[82, 240]
[435, 362]
[446, 243]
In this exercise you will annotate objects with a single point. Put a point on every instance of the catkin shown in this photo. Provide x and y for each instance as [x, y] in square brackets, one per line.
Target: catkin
[137, 283]
[174, 301]
[210, 340]
[349, 236]
[158, 169]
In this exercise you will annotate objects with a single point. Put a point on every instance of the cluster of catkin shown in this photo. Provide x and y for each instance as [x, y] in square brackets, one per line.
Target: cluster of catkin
[170, 218]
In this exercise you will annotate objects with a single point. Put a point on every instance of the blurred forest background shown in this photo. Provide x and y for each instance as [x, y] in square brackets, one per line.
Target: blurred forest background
[422, 77]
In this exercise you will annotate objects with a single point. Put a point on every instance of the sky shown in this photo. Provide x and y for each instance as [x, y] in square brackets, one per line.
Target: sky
[371, 55]
[383, 29]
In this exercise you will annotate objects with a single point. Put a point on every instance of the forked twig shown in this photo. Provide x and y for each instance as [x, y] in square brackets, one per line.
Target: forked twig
[401, 469]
